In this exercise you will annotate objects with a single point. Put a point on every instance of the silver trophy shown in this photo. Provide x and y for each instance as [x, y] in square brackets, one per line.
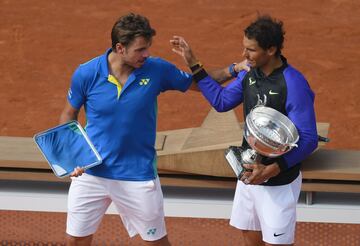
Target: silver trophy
[268, 132]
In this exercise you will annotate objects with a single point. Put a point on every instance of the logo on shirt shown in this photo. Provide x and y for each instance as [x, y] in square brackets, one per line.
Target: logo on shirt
[251, 81]
[273, 92]
[151, 231]
[144, 81]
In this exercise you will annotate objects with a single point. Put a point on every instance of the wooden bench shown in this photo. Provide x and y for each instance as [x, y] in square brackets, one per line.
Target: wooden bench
[324, 171]
[331, 171]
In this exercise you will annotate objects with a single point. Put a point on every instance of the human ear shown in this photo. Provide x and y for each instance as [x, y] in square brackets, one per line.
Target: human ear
[271, 51]
[120, 48]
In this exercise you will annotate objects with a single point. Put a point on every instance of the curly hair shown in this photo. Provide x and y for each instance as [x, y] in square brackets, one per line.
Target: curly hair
[268, 32]
[130, 26]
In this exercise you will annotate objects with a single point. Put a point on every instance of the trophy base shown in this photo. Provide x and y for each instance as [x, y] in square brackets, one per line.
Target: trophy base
[233, 156]
[237, 156]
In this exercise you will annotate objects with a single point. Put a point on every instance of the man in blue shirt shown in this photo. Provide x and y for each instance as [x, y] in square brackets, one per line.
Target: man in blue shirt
[118, 91]
[265, 200]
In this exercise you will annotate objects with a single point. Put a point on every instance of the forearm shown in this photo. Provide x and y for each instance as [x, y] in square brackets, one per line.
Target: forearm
[220, 75]
[306, 145]
[229, 72]
[300, 110]
[221, 98]
[66, 117]
[68, 114]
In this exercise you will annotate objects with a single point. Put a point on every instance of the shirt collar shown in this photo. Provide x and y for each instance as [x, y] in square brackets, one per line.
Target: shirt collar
[104, 68]
[260, 74]
[104, 64]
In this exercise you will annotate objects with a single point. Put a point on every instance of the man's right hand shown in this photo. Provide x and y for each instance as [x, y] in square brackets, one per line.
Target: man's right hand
[260, 173]
[78, 171]
[242, 66]
[182, 48]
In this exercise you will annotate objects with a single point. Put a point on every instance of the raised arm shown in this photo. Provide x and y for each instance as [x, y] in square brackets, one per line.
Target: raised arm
[182, 48]
[221, 98]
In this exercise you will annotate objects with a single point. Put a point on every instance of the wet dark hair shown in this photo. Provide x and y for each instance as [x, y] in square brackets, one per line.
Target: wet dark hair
[268, 32]
[130, 26]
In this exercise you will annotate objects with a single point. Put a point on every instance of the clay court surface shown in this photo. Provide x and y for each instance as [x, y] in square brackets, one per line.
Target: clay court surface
[42, 42]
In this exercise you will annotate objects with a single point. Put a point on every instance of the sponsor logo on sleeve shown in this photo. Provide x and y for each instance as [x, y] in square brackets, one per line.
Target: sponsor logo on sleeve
[144, 81]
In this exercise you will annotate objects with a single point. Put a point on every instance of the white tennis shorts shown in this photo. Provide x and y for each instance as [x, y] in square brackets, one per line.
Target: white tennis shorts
[139, 203]
[269, 209]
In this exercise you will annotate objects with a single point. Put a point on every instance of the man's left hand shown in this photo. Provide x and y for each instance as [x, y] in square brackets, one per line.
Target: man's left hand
[260, 173]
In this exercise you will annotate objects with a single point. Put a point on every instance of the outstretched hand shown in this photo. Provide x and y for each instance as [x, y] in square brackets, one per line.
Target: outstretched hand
[182, 48]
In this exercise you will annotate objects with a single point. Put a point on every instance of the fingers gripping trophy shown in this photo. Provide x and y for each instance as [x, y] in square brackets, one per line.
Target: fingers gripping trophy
[268, 132]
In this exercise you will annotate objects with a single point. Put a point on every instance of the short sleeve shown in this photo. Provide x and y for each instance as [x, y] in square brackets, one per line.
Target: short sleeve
[174, 78]
[76, 94]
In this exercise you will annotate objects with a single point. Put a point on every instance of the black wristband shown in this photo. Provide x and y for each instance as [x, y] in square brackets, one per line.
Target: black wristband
[196, 67]
[200, 75]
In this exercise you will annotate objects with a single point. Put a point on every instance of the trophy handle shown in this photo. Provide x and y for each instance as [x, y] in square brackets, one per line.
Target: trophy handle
[288, 147]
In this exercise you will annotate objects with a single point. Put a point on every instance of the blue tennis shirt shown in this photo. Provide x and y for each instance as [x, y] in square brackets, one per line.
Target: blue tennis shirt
[121, 121]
